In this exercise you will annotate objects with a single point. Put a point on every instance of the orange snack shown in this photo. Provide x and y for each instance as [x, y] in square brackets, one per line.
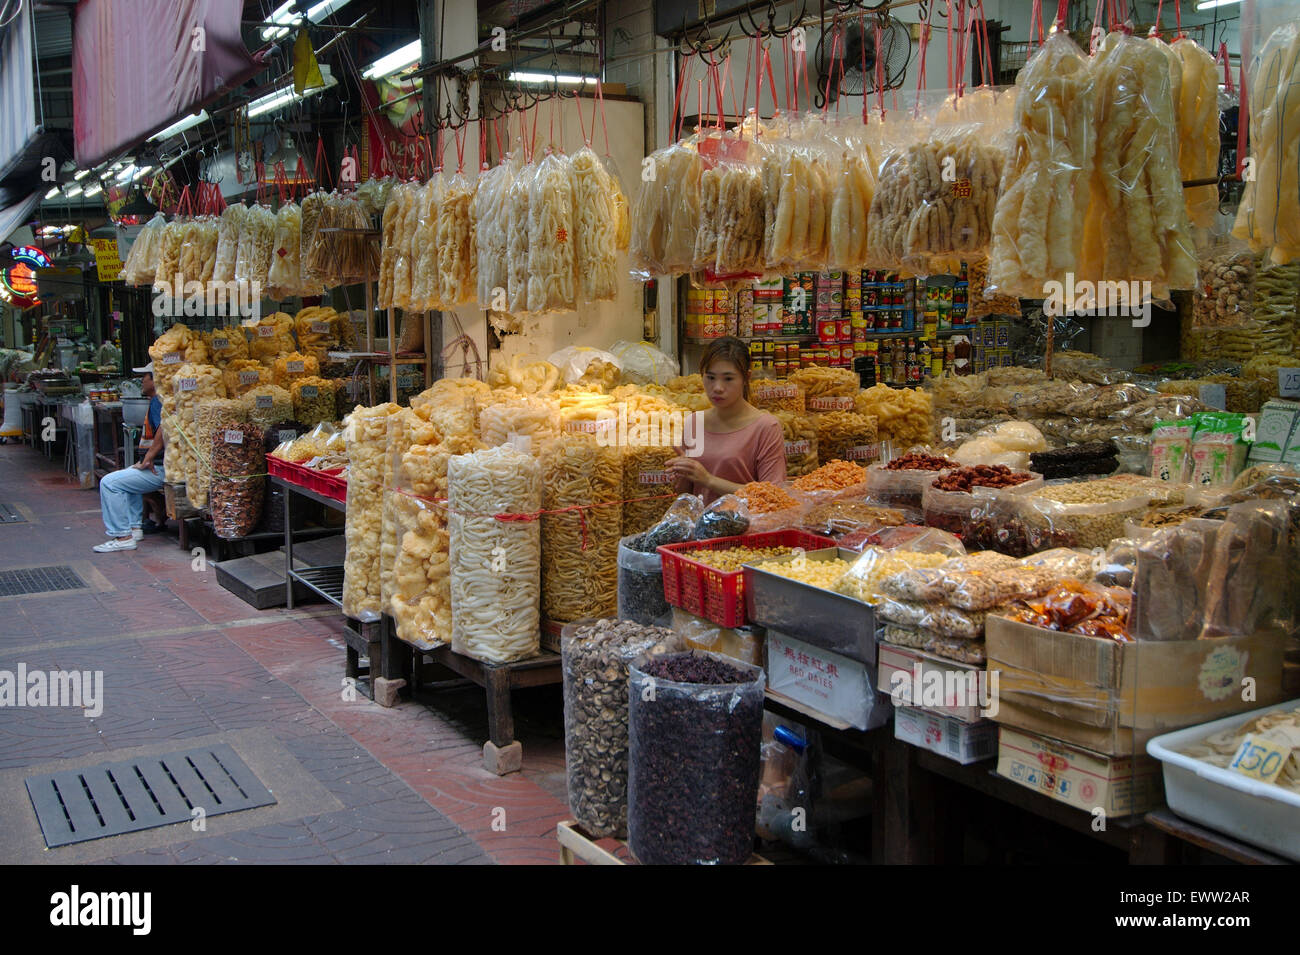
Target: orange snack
[835, 476]
[763, 497]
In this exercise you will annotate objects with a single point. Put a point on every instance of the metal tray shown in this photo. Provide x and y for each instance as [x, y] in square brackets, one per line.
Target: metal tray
[828, 620]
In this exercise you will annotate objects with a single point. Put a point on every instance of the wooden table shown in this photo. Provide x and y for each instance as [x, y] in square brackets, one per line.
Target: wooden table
[1174, 836]
[502, 753]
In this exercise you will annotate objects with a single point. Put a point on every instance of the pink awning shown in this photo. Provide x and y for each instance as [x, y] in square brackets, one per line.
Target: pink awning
[140, 65]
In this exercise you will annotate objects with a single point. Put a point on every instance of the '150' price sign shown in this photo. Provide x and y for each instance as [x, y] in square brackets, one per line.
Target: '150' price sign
[1260, 758]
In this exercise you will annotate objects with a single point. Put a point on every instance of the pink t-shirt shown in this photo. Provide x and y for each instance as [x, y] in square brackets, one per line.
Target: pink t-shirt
[754, 453]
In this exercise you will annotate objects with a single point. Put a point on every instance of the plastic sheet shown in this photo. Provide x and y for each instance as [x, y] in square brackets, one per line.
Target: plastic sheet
[551, 264]
[596, 196]
[495, 565]
[1039, 219]
[693, 755]
[580, 547]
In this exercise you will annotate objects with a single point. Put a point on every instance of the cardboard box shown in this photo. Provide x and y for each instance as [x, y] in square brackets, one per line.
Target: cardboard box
[825, 681]
[1121, 786]
[947, 688]
[964, 743]
[1276, 422]
[1113, 697]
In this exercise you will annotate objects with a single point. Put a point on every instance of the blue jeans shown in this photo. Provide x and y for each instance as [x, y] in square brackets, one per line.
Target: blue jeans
[121, 497]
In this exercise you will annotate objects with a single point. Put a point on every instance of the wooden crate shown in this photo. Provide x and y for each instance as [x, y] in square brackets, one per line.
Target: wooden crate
[575, 843]
[178, 506]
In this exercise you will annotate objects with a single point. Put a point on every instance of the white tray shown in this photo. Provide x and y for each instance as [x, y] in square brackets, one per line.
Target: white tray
[1262, 814]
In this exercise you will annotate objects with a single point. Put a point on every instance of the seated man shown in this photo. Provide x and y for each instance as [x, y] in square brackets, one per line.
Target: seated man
[121, 493]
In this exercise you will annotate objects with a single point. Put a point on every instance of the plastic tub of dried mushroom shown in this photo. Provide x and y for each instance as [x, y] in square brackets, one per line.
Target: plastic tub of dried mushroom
[1090, 513]
[793, 594]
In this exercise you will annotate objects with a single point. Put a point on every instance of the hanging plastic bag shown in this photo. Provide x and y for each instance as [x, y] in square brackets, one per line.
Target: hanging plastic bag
[551, 275]
[595, 226]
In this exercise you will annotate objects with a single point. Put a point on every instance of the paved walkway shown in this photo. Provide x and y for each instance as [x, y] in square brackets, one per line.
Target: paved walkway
[185, 663]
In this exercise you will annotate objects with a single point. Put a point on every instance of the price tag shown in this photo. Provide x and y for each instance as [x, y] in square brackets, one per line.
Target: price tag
[655, 477]
[265, 331]
[295, 366]
[320, 328]
[263, 401]
[252, 378]
[221, 343]
[186, 384]
[288, 435]
[234, 437]
[1288, 382]
[830, 404]
[793, 448]
[310, 391]
[1260, 758]
[172, 358]
[863, 452]
[1215, 396]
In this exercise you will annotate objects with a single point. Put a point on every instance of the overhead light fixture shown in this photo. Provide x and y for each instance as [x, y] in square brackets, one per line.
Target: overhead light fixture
[126, 173]
[141, 172]
[567, 79]
[81, 175]
[94, 190]
[72, 192]
[283, 97]
[390, 63]
[52, 193]
[1211, 4]
[188, 122]
[278, 25]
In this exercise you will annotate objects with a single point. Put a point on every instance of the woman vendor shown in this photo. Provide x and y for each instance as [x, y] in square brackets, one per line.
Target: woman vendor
[733, 442]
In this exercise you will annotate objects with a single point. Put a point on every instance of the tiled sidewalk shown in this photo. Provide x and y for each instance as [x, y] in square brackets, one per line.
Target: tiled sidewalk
[184, 660]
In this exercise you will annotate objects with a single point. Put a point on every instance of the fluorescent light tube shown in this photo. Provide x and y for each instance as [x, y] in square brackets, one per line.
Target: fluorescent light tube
[392, 62]
[564, 78]
[1211, 4]
[186, 122]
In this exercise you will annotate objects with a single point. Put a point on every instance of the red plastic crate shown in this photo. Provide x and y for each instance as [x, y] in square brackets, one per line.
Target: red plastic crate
[713, 594]
[327, 483]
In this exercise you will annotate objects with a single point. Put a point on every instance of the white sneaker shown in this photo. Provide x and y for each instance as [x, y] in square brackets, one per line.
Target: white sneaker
[113, 544]
[137, 534]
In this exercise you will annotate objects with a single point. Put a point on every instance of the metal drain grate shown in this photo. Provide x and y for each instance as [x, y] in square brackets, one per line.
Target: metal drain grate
[39, 580]
[113, 798]
[10, 516]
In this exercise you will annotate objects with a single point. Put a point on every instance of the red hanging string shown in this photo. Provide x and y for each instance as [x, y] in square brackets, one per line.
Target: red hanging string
[920, 76]
[1036, 19]
[674, 127]
[862, 27]
[1227, 71]
[720, 88]
[963, 37]
[604, 120]
[727, 81]
[582, 123]
[321, 164]
[880, 74]
[1062, 7]
[802, 64]
[483, 164]
[830, 74]
[1178, 18]
[787, 68]
[1094, 40]
[983, 23]
[1243, 112]
[771, 82]
[948, 32]
[281, 182]
[1155, 27]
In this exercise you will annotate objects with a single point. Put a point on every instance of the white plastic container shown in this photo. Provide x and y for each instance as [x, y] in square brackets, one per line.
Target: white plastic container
[1262, 814]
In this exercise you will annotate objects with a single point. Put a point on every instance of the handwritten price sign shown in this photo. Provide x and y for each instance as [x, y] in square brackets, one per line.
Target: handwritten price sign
[1260, 758]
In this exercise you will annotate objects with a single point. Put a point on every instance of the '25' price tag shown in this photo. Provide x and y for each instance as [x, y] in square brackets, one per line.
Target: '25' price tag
[1260, 758]
[1288, 382]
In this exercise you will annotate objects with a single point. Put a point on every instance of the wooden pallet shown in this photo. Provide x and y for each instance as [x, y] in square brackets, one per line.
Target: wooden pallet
[576, 843]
